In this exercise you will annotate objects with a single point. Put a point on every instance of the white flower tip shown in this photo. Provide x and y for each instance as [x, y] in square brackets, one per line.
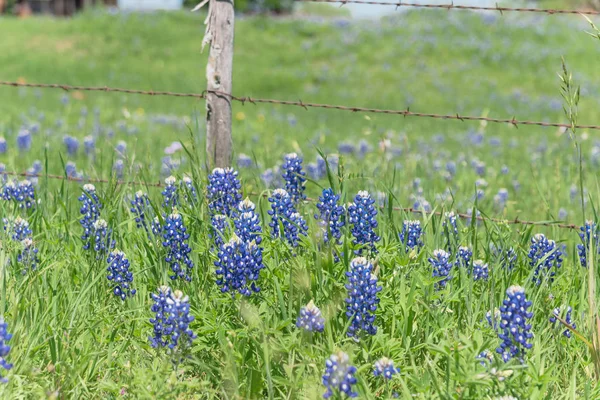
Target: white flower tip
[171, 180]
[88, 187]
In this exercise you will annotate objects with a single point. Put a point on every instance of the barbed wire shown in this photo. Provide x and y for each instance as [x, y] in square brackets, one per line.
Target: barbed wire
[515, 221]
[453, 6]
[406, 113]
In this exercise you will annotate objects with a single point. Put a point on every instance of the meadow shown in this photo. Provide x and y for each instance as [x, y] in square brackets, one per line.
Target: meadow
[442, 290]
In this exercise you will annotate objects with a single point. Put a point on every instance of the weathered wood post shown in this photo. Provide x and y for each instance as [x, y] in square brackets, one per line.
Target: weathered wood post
[219, 33]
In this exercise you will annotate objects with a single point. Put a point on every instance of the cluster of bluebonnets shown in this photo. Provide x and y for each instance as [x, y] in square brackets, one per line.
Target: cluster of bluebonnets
[237, 237]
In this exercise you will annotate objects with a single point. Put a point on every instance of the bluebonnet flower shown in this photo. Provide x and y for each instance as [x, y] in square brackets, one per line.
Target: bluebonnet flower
[556, 313]
[24, 140]
[247, 223]
[463, 257]
[346, 148]
[411, 235]
[339, 375]
[172, 320]
[504, 170]
[18, 229]
[545, 256]
[244, 161]
[515, 330]
[120, 148]
[170, 196]
[175, 240]
[480, 270]
[102, 238]
[8, 190]
[362, 299]
[238, 267]
[451, 168]
[168, 165]
[218, 231]
[28, 257]
[330, 216]
[283, 212]
[310, 318]
[506, 257]
[440, 262]
[493, 319]
[385, 367]
[486, 357]
[268, 177]
[142, 211]
[3, 146]
[588, 231]
[35, 168]
[501, 198]
[119, 274]
[479, 167]
[421, 204]
[362, 216]
[72, 144]
[190, 194]
[118, 167]
[4, 348]
[363, 148]
[71, 170]
[25, 194]
[562, 214]
[90, 212]
[450, 227]
[2, 174]
[89, 145]
[294, 177]
[223, 191]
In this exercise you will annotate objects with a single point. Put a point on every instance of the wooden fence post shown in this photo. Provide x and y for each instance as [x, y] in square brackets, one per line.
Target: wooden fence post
[219, 33]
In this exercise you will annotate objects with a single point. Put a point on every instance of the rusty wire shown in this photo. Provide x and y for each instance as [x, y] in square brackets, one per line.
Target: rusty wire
[453, 6]
[406, 113]
[515, 221]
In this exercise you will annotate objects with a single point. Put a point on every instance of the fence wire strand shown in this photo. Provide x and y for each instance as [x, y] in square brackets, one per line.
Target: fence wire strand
[453, 6]
[410, 210]
[305, 105]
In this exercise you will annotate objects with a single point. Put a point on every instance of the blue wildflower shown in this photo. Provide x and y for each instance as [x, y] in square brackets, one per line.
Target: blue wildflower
[89, 145]
[385, 367]
[362, 299]
[223, 191]
[283, 214]
[450, 227]
[310, 318]
[119, 274]
[501, 198]
[567, 318]
[72, 144]
[24, 140]
[463, 257]
[102, 238]
[18, 229]
[486, 357]
[172, 320]
[411, 235]
[121, 148]
[294, 177]
[28, 257]
[247, 223]
[545, 257]
[480, 270]
[175, 241]
[244, 161]
[3, 146]
[190, 194]
[218, 230]
[4, 348]
[238, 267]
[515, 331]
[339, 375]
[362, 216]
[330, 216]
[346, 148]
[90, 212]
[143, 212]
[170, 196]
[588, 231]
[442, 266]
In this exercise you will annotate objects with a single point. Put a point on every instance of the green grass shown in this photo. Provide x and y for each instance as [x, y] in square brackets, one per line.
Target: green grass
[73, 339]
